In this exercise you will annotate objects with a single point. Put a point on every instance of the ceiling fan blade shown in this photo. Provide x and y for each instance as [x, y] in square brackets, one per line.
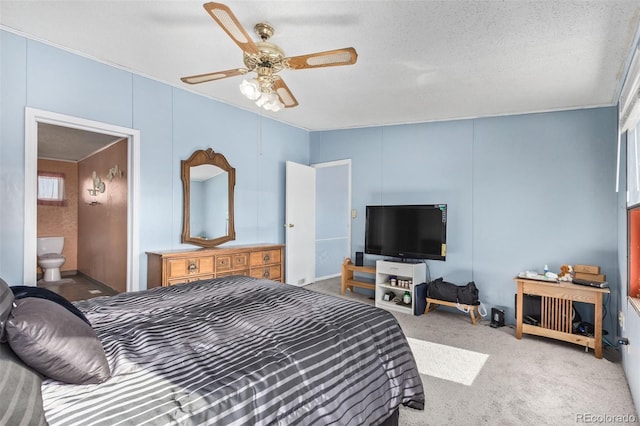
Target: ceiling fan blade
[330, 58]
[228, 21]
[203, 78]
[285, 95]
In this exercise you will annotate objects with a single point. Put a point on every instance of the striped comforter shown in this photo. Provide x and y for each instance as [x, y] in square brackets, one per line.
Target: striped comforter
[240, 351]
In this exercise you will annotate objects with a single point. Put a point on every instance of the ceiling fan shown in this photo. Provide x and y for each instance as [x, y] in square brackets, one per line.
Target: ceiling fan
[266, 60]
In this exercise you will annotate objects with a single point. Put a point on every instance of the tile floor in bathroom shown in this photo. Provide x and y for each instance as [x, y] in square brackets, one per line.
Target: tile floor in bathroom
[78, 287]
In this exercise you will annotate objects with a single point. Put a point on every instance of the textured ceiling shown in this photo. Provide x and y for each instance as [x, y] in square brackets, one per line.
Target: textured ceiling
[418, 60]
[63, 143]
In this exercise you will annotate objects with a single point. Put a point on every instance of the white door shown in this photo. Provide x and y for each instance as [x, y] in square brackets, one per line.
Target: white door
[300, 212]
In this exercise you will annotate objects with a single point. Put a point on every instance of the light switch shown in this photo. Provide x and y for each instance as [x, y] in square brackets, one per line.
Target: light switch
[354, 213]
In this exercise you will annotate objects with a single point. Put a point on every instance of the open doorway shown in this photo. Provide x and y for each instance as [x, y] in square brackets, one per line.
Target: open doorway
[318, 220]
[333, 212]
[37, 121]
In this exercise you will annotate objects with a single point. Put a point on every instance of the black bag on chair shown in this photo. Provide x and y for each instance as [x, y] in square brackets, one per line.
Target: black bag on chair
[448, 292]
[442, 290]
[468, 294]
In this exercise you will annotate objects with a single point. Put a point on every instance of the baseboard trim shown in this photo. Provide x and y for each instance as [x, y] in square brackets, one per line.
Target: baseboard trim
[327, 277]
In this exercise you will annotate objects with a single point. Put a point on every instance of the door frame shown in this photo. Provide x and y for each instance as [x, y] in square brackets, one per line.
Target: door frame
[35, 116]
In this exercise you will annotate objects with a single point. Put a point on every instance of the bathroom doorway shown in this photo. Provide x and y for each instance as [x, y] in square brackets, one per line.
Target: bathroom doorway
[107, 161]
[91, 170]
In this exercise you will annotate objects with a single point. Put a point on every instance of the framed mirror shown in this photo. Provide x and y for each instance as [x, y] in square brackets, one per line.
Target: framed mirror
[208, 181]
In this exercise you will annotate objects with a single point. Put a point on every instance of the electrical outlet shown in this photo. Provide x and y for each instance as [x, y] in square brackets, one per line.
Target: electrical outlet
[621, 319]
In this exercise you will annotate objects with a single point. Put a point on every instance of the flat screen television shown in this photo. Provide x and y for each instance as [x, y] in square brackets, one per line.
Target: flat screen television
[407, 231]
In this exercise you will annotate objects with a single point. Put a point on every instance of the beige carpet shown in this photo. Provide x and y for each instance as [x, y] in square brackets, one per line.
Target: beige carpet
[532, 381]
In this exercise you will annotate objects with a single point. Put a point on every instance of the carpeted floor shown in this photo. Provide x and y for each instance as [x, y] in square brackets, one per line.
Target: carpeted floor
[447, 362]
[532, 381]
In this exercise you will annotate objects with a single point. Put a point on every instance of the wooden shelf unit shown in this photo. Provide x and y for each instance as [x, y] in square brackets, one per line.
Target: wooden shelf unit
[556, 321]
[348, 279]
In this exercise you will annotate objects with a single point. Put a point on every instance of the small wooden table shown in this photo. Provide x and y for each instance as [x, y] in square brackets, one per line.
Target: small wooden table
[348, 281]
[556, 311]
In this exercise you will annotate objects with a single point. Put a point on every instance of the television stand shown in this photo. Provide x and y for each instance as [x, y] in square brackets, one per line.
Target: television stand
[349, 281]
[416, 272]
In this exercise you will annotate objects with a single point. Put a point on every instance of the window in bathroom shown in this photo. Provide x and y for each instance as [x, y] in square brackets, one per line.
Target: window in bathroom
[51, 189]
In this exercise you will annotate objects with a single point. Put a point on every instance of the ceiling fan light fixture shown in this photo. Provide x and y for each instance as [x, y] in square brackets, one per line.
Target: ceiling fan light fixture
[270, 102]
[250, 89]
[274, 106]
[263, 99]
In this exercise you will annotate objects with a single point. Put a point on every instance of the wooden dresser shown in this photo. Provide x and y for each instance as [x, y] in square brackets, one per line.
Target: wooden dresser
[165, 268]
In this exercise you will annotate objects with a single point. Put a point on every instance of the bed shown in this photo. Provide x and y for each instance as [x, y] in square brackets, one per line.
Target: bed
[239, 351]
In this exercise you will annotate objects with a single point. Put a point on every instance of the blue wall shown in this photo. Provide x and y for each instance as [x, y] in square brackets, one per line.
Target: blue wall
[522, 191]
[172, 124]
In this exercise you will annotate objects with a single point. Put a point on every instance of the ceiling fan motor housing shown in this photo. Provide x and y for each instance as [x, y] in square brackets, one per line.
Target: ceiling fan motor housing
[270, 56]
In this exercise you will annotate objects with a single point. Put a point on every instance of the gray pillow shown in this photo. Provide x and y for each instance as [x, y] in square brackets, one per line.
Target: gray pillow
[20, 396]
[56, 343]
[6, 304]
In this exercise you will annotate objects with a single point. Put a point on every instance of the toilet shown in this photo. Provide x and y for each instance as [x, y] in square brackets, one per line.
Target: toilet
[50, 258]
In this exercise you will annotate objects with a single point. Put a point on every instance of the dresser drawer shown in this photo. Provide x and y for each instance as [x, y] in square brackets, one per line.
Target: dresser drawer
[265, 257]
[243, 272]
[267, 272]
[231, 262]
[184, 267]
[189, 279]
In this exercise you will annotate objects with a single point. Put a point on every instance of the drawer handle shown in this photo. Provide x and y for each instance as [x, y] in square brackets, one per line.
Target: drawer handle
[266, 258]
[192, 266]
[265, 274]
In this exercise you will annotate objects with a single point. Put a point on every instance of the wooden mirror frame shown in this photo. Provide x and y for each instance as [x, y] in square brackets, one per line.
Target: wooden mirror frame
[198, 158]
